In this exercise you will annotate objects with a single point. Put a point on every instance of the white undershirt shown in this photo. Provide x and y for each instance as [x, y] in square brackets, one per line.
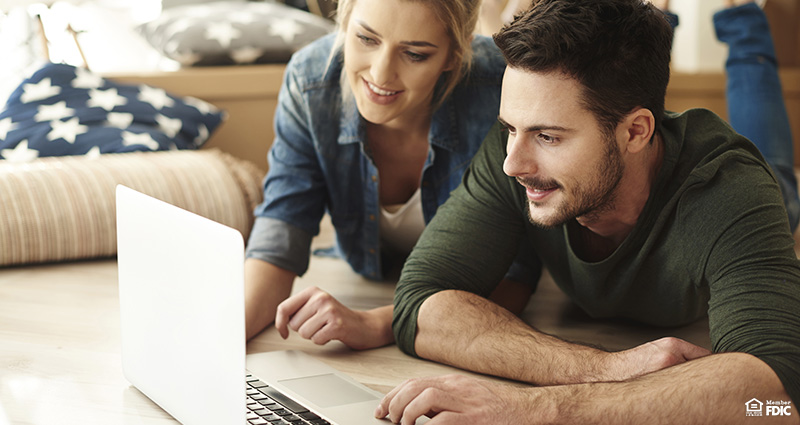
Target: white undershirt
[402, 224]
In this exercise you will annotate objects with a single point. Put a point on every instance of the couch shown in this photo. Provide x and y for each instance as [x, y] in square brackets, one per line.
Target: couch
[61, 208]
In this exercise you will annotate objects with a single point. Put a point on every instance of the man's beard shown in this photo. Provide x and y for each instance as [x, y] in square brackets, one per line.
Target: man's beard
[587, 201]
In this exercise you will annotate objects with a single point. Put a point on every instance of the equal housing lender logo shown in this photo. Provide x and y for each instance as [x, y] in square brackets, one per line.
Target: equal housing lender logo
[755, 407]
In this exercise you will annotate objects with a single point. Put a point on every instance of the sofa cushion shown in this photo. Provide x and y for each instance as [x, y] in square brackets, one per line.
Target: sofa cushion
[225, 33]
[64, 110]
[63, 208]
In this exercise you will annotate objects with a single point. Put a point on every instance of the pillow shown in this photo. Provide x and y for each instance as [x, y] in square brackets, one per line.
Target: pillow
[63, 208]
[166, 4]
[64, 110]
[226, 33]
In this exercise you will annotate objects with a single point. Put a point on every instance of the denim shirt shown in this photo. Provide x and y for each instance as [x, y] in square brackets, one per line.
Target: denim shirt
[318, 161]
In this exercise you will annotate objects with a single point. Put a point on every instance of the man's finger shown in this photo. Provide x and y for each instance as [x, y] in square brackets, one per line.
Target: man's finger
[386, 403]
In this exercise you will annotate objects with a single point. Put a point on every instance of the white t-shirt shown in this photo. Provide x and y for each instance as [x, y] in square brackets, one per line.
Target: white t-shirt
[402, 224]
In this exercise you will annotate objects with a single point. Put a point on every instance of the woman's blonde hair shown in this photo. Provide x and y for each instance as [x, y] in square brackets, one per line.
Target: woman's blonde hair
[459, 18]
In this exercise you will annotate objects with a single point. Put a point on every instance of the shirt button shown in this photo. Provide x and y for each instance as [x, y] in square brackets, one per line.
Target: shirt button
[374, 178]
[372, 217]
[372, 250]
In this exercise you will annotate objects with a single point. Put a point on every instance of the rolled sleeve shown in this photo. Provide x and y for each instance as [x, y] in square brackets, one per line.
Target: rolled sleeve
[278, 242]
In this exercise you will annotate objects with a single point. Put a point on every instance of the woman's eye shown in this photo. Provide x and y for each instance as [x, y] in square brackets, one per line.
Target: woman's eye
[367, 41]
[416, 57]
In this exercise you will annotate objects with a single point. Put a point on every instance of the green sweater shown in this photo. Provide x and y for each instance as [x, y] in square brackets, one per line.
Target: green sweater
[713, 239]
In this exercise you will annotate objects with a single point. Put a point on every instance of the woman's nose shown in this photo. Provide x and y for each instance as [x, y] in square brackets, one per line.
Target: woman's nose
[383, 69]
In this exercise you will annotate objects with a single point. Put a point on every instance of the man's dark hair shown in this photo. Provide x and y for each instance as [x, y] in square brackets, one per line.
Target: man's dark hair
[619, 50]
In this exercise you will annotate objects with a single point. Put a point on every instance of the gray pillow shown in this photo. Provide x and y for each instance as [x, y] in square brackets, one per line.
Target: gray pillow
[227, 33]
[166, 4]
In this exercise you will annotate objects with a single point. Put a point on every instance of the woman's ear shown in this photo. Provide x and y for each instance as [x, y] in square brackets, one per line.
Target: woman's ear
[451, 63]
[637, 129]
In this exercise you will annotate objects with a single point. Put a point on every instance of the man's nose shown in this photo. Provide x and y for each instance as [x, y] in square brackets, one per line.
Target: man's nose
[520, 158]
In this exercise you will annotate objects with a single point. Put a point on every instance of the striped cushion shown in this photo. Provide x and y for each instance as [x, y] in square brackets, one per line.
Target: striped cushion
[63, 208]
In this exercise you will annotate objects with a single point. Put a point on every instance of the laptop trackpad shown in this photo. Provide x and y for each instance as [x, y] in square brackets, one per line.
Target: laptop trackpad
[327, 390]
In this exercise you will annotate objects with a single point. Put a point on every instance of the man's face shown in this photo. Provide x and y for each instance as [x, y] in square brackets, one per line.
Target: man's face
[557, 150]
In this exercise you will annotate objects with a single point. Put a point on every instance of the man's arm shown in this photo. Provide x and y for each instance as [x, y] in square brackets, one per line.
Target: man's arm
[440, 308]
[711, 390]
[489, 339]
[469, 244]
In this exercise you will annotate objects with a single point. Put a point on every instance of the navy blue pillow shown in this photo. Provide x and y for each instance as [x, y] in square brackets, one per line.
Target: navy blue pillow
[64, 110]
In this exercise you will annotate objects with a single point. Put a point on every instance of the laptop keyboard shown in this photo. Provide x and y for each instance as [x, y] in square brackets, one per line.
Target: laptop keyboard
[268, 406]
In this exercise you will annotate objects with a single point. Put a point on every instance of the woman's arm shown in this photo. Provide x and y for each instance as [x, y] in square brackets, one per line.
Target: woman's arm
[266, 286]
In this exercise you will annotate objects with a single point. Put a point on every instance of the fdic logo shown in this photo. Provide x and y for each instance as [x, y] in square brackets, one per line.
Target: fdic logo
[755, 407]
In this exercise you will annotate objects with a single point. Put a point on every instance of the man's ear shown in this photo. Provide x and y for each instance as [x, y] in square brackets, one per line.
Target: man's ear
[637, 129]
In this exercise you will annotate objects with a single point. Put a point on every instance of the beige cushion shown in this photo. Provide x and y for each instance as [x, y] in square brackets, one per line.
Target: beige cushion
[63, 208]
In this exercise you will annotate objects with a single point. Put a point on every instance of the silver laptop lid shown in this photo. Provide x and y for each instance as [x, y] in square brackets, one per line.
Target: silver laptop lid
[181, 288]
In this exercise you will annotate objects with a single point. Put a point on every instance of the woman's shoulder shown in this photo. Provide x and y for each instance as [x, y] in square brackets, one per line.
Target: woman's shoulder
[487, 60]
[315, 63]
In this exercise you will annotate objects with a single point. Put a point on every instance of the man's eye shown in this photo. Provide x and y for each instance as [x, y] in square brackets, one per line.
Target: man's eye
[547, 138]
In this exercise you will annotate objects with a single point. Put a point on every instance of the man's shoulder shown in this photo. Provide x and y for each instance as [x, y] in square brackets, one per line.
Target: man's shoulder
[711, 170]
[496, 139]
[699, 138]
[692, 122]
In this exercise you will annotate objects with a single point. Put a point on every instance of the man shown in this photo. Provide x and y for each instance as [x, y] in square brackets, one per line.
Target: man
[637, 213]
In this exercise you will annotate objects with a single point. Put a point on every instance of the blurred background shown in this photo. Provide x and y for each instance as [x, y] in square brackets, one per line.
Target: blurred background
[107, 35]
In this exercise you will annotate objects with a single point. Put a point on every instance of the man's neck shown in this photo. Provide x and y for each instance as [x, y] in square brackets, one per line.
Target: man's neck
[641, 171]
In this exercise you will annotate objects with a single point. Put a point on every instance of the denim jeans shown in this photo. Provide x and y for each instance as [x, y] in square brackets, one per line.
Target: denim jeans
[756, 108]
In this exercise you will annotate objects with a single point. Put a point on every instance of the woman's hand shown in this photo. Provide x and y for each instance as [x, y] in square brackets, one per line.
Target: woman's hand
[316, 315]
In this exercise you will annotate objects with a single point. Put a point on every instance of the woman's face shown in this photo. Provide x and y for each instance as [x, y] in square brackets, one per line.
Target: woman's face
[394, 53]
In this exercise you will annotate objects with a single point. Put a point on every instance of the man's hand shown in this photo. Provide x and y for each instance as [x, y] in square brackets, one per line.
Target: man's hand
[651, 357]
[316, 315]
[451, 399]
[708, 390]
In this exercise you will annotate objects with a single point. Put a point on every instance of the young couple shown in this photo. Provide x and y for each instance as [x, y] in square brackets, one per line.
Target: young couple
[637, 213]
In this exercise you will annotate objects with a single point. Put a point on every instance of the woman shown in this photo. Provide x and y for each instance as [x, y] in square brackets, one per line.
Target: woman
[375, 125]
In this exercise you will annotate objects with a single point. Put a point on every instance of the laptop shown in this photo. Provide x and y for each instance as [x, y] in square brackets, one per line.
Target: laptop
[181, 289]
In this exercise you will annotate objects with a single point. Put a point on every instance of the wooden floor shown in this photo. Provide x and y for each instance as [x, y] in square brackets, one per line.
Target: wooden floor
[60, 343]
[60, 354]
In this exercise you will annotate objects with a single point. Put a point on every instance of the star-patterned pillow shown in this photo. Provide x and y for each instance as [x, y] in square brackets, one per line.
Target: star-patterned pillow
[65, 110]
[228, 33]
